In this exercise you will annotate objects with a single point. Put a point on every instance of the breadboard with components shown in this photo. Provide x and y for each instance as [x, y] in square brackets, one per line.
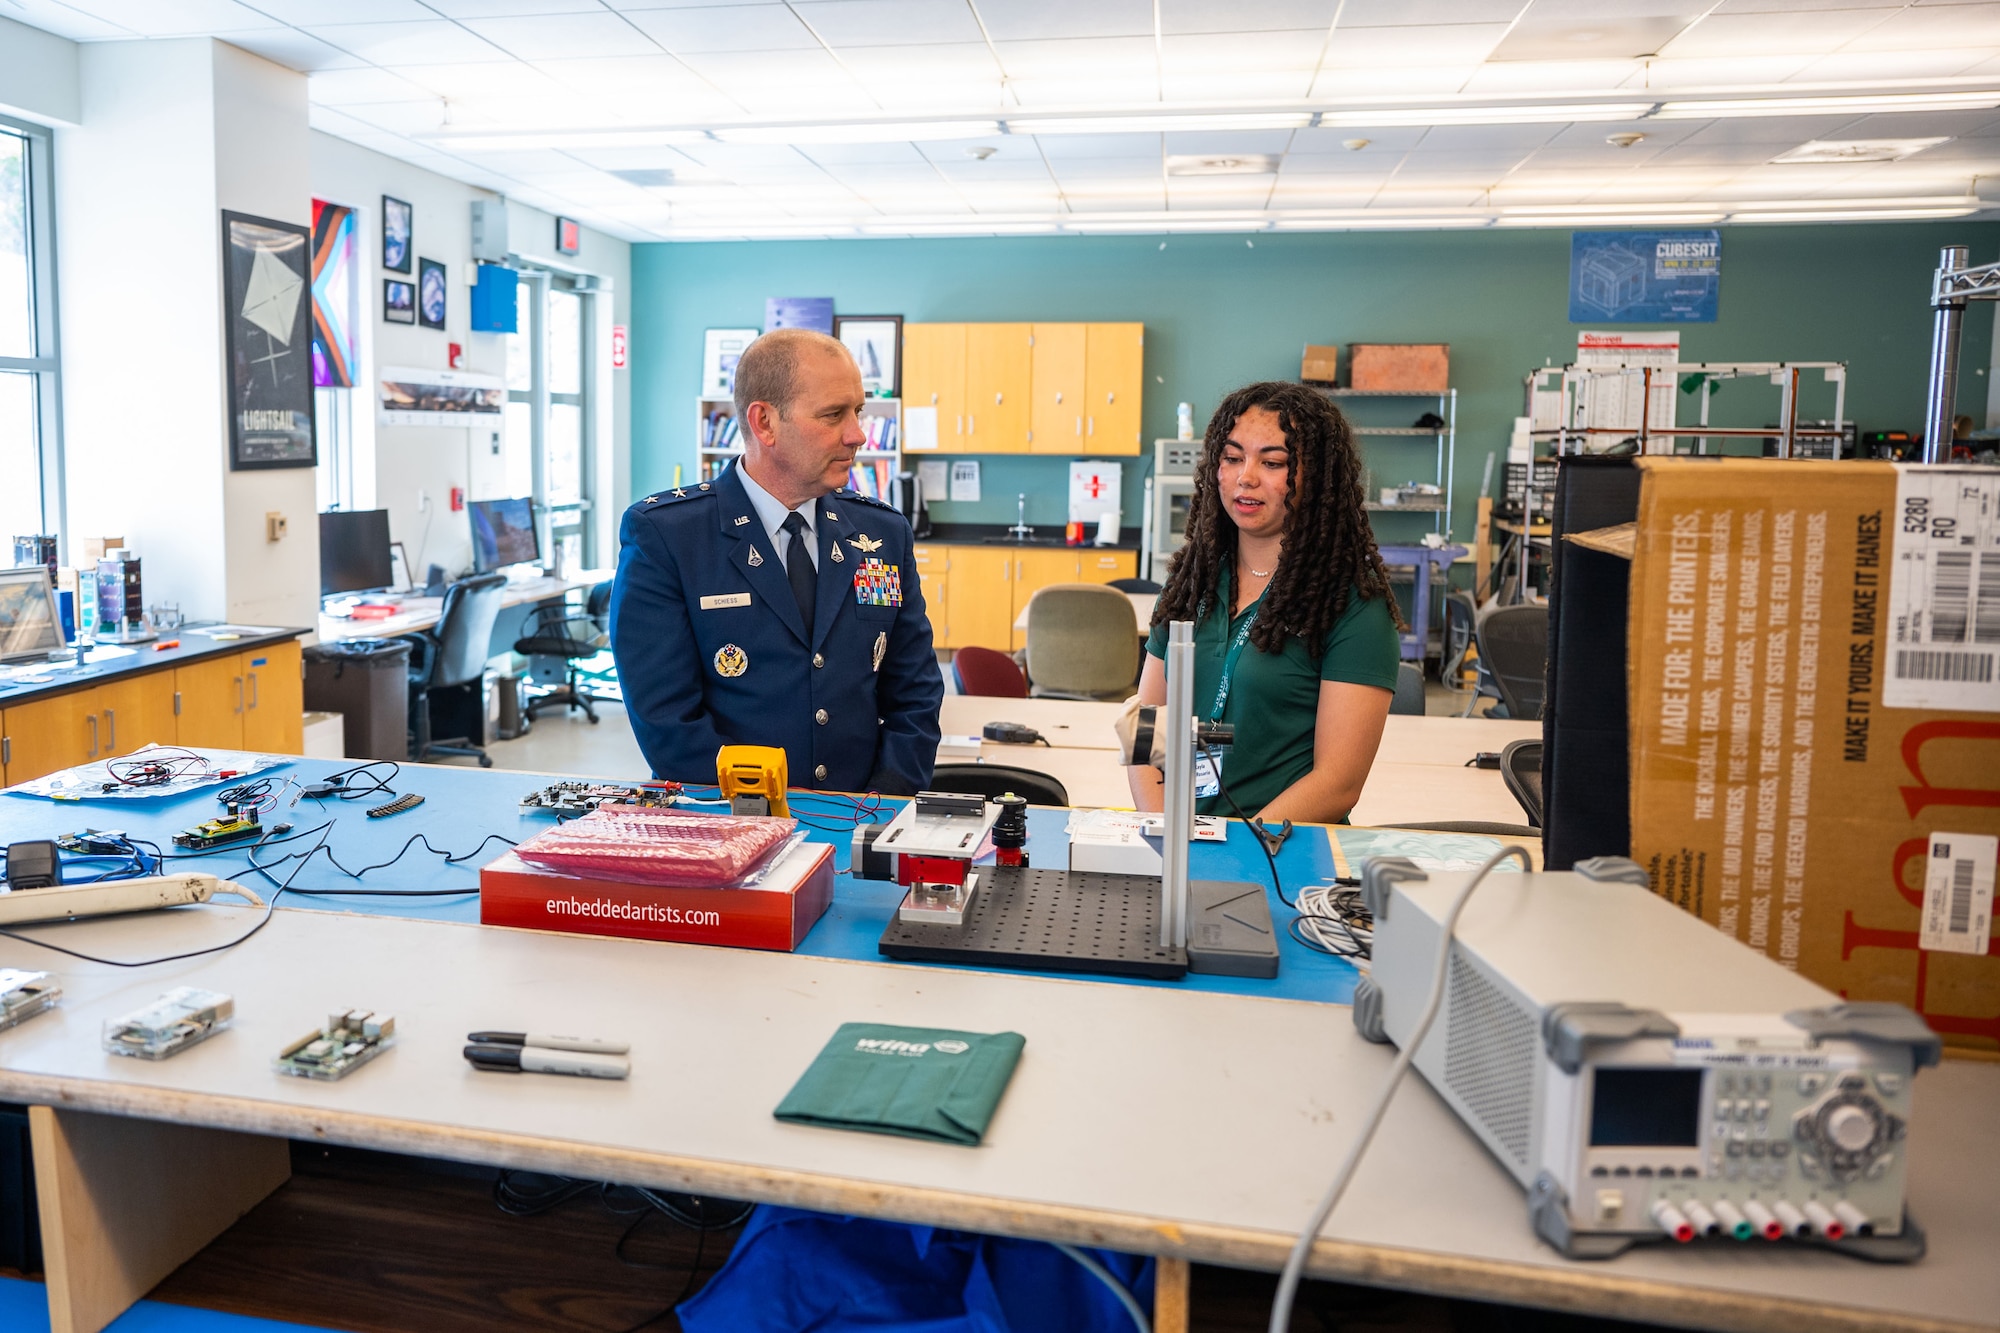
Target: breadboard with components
[344, 1043]
[568, 799]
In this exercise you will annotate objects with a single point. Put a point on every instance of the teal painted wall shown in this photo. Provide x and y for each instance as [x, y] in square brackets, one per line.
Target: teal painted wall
[1220, 313]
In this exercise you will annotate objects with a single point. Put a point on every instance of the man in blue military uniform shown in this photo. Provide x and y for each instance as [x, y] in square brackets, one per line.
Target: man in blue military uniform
[769, 607]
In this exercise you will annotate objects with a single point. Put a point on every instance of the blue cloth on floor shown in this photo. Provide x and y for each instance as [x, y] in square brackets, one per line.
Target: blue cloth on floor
[800, 1272]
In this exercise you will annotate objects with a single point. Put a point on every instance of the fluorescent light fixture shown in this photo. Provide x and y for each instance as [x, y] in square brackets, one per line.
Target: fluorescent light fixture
[1855, 105]
[1155, 223]
[1855, 150]
[501, 140]
[1850, 214]
[908, 131]
[1608, 220]
[1501, 114]
[1362, 223]
[968, 228]
[1161, 124]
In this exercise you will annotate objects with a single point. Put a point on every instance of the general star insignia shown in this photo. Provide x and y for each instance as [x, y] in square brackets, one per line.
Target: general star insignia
[680, 493]
[865, 544]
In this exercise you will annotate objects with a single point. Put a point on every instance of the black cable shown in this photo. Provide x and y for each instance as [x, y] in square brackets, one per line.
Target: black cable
[1257, 830]
[360, 782]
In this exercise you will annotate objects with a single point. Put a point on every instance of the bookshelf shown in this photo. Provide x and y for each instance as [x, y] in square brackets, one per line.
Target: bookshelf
[875, 463]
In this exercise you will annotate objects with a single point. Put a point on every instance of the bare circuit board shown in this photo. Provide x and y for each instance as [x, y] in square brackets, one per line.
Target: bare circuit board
[568, 799]
[342, 1045]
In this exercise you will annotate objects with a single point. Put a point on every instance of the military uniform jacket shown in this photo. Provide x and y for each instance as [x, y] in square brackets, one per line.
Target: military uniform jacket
[711, 648]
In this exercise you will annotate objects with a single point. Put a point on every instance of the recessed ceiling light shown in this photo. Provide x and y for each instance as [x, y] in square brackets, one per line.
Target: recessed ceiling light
[1497, 114]
[500, 140]
[1232, 164]
[1856, 150]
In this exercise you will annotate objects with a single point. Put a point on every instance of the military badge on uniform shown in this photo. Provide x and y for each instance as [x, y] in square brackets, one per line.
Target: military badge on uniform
[731, 660]
[755, 558]
[881, 649]
[878, 583]
[866, 545]
[838, 558]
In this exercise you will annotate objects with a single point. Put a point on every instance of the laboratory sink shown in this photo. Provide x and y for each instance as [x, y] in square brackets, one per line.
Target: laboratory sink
[1021, 541]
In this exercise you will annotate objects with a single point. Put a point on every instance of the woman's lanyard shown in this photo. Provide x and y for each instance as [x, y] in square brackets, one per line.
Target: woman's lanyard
[1229, 665]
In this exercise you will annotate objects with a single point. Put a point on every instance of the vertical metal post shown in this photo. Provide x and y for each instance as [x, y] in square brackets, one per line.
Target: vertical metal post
[1178, 805]
[1788, 412]
[1645, 409]
[1948, 322]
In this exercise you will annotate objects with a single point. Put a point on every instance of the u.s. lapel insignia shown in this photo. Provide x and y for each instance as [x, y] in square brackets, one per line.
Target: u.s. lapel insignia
[837, 556]
[755, 558]
[865, 544]
[835, 517]
[741, 519]
[731, 660]
[881, 648]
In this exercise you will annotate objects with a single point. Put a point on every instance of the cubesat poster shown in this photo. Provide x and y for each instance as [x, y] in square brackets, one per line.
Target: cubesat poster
[1644, 277]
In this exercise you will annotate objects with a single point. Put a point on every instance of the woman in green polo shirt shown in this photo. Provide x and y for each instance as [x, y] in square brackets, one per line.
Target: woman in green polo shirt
[1295, 640]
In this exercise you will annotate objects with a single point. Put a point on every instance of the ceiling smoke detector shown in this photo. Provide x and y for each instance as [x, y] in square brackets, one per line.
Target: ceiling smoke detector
[1624, 138]
[1856, 150]
[1355, 145]
[981, 151]
[1221, 164]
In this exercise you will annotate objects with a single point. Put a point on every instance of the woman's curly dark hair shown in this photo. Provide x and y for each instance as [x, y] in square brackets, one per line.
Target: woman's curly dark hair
[1329, 547]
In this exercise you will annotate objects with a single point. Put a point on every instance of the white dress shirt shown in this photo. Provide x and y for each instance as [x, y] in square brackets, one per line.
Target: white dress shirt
[772, 513]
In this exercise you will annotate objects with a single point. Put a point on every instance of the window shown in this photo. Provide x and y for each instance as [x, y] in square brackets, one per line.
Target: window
[551, 411]
[30, 391]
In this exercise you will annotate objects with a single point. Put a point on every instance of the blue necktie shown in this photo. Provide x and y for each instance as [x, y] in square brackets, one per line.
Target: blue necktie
[799, 568]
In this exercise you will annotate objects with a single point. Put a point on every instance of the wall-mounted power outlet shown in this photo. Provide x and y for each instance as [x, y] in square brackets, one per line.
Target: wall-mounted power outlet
[275, 526]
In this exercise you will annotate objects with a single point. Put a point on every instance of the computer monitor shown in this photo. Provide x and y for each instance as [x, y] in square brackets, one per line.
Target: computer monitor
[503, 533]
[354, 551]
[30, 625]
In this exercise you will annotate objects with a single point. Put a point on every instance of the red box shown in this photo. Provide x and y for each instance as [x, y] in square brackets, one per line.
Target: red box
[775, 913]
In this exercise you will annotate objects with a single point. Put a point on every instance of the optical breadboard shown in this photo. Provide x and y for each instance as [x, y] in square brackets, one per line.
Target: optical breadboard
[1643, 1075]
[1050, 920]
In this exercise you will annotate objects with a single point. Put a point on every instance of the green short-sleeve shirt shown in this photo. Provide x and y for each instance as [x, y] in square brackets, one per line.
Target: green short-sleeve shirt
[1274, 697]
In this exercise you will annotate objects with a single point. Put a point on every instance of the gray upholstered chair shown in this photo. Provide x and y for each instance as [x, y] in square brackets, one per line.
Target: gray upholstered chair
[1083, 642]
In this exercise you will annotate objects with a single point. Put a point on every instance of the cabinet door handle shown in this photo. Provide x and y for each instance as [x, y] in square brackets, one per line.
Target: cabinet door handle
[970, 425]
[1110, 397]
[253, 689]
[1090, 427]
[239, 694]
[6, 749]
[177, 703]
[93, 737]
[111, 729]
[1058, 395]
[933, 400]
[1079, 425]
[996, 400]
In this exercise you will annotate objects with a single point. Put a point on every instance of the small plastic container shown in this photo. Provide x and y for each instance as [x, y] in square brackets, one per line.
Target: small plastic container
[183, 1017]
[25, 994]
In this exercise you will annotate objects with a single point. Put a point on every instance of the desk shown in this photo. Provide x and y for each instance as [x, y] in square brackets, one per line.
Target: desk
[1142, 608]
[421, 613]
[1419, 560]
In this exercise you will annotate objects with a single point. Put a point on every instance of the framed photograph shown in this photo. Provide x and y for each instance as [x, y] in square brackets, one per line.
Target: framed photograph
[877, 344]
[399, 301]
[266, 271]
[721, 349]
[398, 230]
[569, 236]
[431, 291]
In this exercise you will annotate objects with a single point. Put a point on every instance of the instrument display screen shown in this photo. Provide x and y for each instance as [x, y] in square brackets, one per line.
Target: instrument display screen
[1645, 1108]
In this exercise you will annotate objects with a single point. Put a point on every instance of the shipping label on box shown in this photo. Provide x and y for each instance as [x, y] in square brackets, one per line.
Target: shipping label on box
[1815, 720]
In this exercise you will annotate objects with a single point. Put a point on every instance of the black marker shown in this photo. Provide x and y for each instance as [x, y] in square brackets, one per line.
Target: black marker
[549, 1042]
[539, 1060]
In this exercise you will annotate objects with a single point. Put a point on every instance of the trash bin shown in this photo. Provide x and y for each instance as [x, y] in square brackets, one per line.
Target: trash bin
[366, 681]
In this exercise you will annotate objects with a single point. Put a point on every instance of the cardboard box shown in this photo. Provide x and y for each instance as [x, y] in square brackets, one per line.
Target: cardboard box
[775, 913]
[1399, 367]
[1320, 364]
[1814, 692]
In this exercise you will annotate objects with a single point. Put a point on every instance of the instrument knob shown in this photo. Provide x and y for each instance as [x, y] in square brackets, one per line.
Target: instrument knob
[1850, 1128]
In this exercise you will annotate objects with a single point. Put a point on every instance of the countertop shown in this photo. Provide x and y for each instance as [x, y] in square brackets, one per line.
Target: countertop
[27, 682]
[1049, 535]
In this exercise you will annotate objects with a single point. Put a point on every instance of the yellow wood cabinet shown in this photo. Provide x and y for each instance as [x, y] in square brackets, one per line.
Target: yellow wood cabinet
[934, 376]
[1114, 386]
[136, 712]
[208, 703]
[1104, 566]
[47, 735]
[974, 593]
[998, 370]
[932, 564]
[979, 603]
[274, 699]
[1056, 421]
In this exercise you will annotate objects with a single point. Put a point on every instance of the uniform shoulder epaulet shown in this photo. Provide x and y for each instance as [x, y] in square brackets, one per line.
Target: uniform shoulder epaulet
[857, 497]
[674, 495]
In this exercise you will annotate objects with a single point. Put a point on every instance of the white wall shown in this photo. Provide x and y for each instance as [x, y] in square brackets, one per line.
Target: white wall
[410, 470]
[38, 75]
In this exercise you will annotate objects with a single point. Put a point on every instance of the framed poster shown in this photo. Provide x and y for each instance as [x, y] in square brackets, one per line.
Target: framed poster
[720, 351]
[266, 269]
[431, 291]
[398, 230]
[399, 301]
[336, 295]
[1645, 277]
[799, 312]
[877, 344]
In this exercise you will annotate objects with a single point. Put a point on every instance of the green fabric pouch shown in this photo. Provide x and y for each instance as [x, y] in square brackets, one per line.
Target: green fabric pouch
[919, 1083]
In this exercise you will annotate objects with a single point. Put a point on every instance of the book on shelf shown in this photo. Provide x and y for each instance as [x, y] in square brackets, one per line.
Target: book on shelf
[719, 430]
[870, 478]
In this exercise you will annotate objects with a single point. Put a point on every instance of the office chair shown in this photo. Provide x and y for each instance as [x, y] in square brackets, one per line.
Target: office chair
[1521, 767]
[558, 631]
[1514, 657]
[450, 656]
[991, 780]
[1460, 616]
[1082, 642]
[983, 671]
[1409, 698]
[1134, 585]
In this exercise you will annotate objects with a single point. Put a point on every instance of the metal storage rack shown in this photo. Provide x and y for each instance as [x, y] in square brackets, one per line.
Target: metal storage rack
[1445, 438]
[1574, 384]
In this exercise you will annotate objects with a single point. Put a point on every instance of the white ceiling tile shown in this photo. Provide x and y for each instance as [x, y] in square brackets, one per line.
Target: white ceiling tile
[496, 82]
[177, 18]
[1897, 66]
[928, 66]
[1552, 76]
[1933, 28]
[521, 163]
[1267, 53]
[1785, 131]
[1207, 86]
[406, 118]
[1714, 155]
[1022, 20]
[293, 49]
[772, 83]
[1430, 47]
[1794, 6]
[1604, 157]
[306, 13]
[1129, 147]
[1023, 195]
[1665, 76]
[1101, 202]
[489, 9]
[1224, 16]
[1010, 152]
[1391, 80]
[1458, 166]
[1591, 135]
[435, 42]
[839, 157]
[1226, 143]
[1348, 167]
[66, 21]
[1428, 196]
[714, 28]
[1084, 57]
[1381, 139]
[1922, 125]
[874, 23]
[1795, 33]
[347, 87]
[1503, 140]
[1081, 90]
[1247, 200]
[564, 36]
[1401, 13]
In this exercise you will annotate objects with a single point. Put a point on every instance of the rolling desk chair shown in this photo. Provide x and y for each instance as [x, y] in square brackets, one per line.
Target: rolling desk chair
[1134, 585]
[1514, 657]
[992, 780]
[1083, 642]
[558, 631]
[1521, 766]
[986, 671]
[1409, 698]
[449, 657]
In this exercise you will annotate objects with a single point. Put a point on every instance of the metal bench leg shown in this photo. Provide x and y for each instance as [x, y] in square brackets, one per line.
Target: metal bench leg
[125, 1202]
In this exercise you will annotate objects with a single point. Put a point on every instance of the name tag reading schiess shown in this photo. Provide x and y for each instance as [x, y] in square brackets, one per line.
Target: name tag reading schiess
[726, 599]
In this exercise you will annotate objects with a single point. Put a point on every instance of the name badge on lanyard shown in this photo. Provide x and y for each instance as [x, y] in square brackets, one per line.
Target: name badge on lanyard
[1207, 772]
[1208, 758]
